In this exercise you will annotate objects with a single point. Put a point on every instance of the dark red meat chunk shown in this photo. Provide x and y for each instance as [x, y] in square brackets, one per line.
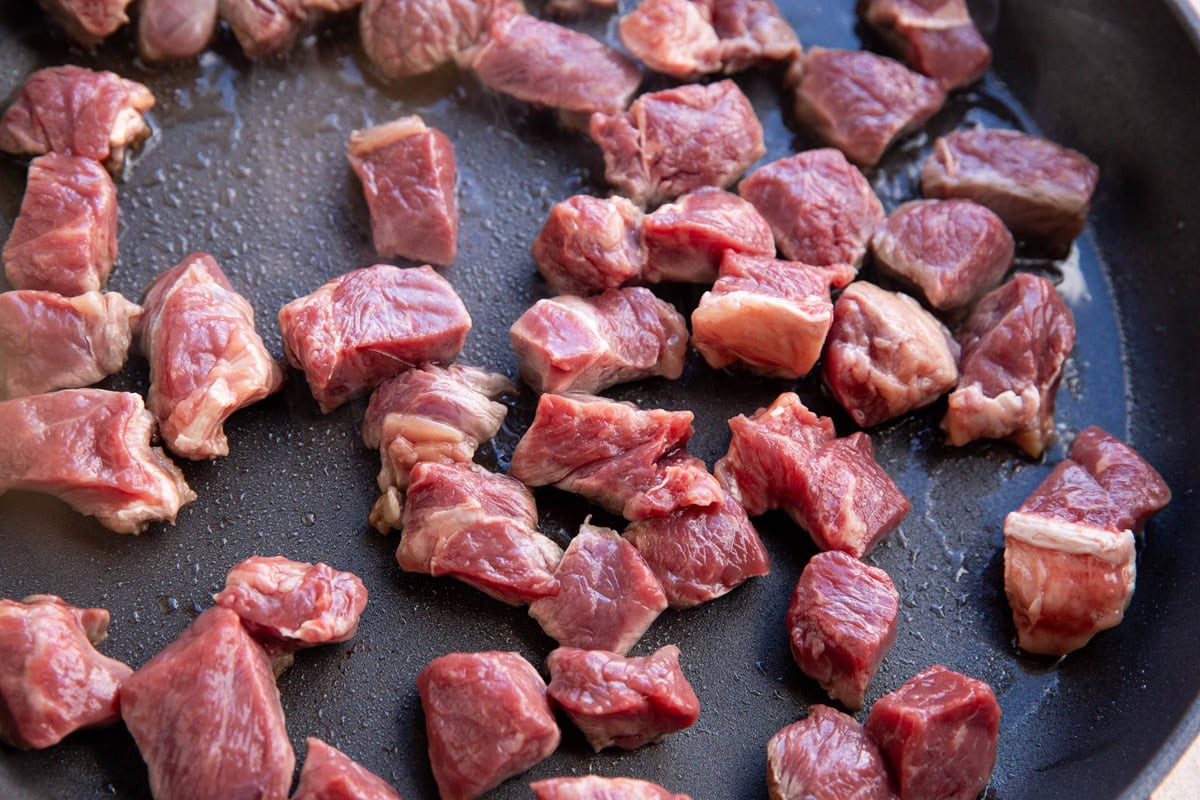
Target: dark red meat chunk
[175, 29]
[935, 37]
[686, 240]
[594, 787]
[674, 37]
[329, 774]
[826, 756]
[404, 38]
[1134, 486]
[590, 244]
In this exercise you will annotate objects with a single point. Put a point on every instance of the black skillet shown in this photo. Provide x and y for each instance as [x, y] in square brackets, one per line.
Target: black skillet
[247, 163]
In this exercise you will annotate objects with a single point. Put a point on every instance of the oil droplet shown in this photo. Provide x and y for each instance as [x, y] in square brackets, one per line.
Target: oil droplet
[309, 519]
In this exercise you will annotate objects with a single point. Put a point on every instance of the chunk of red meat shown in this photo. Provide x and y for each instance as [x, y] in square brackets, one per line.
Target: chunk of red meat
[952, 251]
[1134, 486]
[480, 527]
[590, 244]
[206, 716]
[264, 27]
[1014, 346]
[487, 719]
[1072, 494]
[700, 553]
[53, 681]
[1040, 189]
[938, 733]
[674, 37]
[594, 787]
[408, 172]
[860, 102]
[841, 623]
[686, 240]
[677, 140]
[608, 595]
[826, 756]
[50, 342]
[87, 21]
[935, 37]
[404, 38]
[329, 774]
[363, 327]
[91, 449]
[175, 29]
[819, 206]
[586, 344]
[885, 355]
[755, 294]
[751, 32]
[206, 358]
[622, 702]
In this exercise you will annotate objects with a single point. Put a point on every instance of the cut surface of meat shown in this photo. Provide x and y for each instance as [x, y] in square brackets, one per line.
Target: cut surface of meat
[826, 756]
[590, 244]
[752, 32]
[206, 716]
[365, 326]
[264, 27]
[408, 173]
[686, 240]
[594, 787]
[53, 681]
[170, 30]
[622, 702]
[50, 342]
[935, 37]
[404, 38]
[1134, 486]
[885, 355]
[87, 21]
[820, 207]
[487, 719]
[841, 623]
[329, 774]
[91, 449]
[206, 358]
[674, 37]
[64, 239]
[586, 344]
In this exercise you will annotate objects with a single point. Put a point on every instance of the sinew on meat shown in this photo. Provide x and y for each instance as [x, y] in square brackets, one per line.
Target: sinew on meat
[405, 38]
[170, 30]
[87, 21]
[936, 37]
[330, 774]
[826, 756]
[686, 240]
[594, 787]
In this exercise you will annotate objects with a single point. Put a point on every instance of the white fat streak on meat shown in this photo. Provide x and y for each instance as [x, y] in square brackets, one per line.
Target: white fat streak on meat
[364, 142]
[1115, 547]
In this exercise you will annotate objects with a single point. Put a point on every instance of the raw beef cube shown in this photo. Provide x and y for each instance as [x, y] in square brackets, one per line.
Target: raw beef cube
[53, 681]
[1014, 345]
[65, 238]
[1041, 190]
[686, 240]
[752, 32]
[206, 359]
[700, 553]
[938, 733]
[293, 603]
[677, 140]
[479, 527]
[50, 342]
[1135, 487]
[952, 251]
[407, 171]
[404, 38]
[885, 355]
[607, 597]
[87, 21]
[91, 449]
[264, 27]
[586, 344]
[594, 787]
[630, 461]
[841, 623]
[769, 316]
[826, 756]
[487, 719]
[935, 37]
[674, 37]
[860, 102]
[329, 774]
[361, 328]
[205, 714]
[79, 112]
[819, 206]
[170, 30]
[590, 244]
[622, 702]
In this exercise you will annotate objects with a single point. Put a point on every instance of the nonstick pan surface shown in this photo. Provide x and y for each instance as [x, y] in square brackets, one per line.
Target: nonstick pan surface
[247, 162]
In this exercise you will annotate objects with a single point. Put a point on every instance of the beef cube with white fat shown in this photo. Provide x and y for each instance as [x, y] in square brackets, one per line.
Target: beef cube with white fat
[826, 756]
[487, 718]
[171, 30]
[841, 623]
[686, 240]
[404, 38]
[594, 787]
[885, 355]
[938, 733]
[586, 344]
[951, 251]
[329, 774]
[1136, 488]
[935, 37]
[87, 21]
[590, 244]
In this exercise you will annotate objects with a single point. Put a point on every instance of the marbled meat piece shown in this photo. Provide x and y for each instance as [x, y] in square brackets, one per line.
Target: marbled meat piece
[820, 207]
[1014, 346]
[487, 719]
[951, 251]
[935, 37]
[758, 293]
[671, 142]
[172, 30]
[206, 358]
[330, 774]
[405, 38]
[53, 680]
[674, 37]
[586, 344]
[91, 449]
[408, 173]
[64, 239]
[265, 27]
[622, 702]
[1136, 487]
[860, 102]
[594, 787]
[590, 244]
[752, 32]
[87, 21]
[938, 733]
[480, 527]
[1040, 189]
[686, 240]
[206, 716]
[607, 598]
[841, 622]
[826, 756]
[50, 342]
[886, 355]
[363, 327]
